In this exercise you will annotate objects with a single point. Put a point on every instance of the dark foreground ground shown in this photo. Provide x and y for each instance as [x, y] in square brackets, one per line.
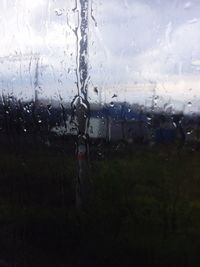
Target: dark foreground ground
[145, 208]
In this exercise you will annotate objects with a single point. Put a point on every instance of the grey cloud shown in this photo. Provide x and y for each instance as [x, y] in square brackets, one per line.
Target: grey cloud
[133, 40]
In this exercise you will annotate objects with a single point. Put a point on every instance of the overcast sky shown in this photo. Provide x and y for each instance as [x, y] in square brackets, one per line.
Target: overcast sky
[130, 42]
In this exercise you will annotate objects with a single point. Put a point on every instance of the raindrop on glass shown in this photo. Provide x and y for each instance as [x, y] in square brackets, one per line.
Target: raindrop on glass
[189, 131]
[112, 104]
[58, 11]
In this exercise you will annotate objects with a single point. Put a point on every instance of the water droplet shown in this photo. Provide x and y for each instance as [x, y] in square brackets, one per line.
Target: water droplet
[149, 118]
[58, 11]
[60, 82]
[174, 124]
[96, 90]
[189, 131]
[189, 104]
[114, 96]
[112, 104]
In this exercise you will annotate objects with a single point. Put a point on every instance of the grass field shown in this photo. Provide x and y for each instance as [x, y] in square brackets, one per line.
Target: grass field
[144, 209]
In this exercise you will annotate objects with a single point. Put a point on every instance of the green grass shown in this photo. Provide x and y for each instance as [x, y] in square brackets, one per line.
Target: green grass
[145, 209]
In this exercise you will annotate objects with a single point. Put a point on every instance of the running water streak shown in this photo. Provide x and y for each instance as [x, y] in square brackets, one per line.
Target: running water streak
[80, 105]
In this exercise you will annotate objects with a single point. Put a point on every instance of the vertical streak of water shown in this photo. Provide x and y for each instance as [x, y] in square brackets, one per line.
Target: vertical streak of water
[80, 105]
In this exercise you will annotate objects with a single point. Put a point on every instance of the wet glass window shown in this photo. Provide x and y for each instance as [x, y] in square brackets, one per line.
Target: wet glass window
[99, 132]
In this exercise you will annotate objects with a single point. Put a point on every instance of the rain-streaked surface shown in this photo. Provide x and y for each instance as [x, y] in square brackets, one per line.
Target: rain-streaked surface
[99, 132]
[141, 57]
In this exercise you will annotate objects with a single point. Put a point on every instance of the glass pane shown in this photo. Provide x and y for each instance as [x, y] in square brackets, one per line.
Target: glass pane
[99, 132]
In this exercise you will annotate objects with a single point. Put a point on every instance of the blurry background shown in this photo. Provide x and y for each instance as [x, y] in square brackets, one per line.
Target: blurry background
[135, 47]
